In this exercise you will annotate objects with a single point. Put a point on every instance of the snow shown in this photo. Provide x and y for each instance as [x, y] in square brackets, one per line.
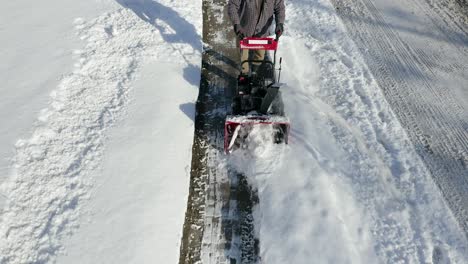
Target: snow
[36, 52]
[142, 189]
[305, 211]
[420, 66]
[61, 178]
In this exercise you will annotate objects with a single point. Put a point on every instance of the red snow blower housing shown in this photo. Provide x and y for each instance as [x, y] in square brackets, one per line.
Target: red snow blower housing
[257, 100]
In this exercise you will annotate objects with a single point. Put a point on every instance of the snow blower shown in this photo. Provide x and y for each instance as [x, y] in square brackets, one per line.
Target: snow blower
[257, 100]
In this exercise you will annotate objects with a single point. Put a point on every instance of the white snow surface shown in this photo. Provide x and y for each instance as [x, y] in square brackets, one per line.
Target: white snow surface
[125, 186]
[36, 51]
[349, 187]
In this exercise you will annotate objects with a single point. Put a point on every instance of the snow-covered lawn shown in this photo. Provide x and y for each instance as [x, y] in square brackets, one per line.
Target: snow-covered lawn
[36, 51]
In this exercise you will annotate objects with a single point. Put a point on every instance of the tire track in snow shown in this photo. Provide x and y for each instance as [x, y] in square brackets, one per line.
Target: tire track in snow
[432, 115]
[51, 177]
[453, 13]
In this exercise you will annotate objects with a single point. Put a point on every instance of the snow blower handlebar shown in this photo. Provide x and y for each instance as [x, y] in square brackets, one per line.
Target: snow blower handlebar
[259, 44]
[253, 43]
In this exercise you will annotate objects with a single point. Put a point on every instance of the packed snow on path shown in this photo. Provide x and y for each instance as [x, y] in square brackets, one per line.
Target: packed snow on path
[349, 187]
[106, 170]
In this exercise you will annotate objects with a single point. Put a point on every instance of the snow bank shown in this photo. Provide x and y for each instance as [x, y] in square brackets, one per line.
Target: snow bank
[349, 188]
[55, 169]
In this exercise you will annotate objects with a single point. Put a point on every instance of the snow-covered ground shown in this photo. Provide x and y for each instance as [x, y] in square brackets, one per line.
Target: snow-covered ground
[36, 51]
[419, 57]
[126, 185]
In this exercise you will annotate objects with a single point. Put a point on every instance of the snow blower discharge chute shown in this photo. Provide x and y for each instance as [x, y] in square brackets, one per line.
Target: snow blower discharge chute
[257, 100]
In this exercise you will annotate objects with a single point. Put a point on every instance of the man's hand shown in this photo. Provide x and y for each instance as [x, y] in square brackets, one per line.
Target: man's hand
[239, 31]
[279, 30]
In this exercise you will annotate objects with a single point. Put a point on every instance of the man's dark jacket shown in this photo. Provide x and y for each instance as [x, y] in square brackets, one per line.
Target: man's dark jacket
[245, 13]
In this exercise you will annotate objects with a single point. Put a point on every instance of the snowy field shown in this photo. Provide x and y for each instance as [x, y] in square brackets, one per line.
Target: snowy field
[96, 143]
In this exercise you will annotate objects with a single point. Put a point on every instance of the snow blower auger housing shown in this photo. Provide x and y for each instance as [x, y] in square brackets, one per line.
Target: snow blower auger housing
[257, 99]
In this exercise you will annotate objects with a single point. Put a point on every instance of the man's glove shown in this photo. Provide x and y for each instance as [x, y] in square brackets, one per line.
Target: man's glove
[239, 31]
[279, 30]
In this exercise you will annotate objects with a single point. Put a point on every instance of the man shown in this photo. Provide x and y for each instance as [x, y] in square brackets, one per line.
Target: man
[253, 18]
